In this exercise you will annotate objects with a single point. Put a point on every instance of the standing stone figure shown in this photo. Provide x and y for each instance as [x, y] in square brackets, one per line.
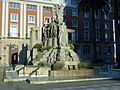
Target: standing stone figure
[62, 32]
[63, 36]
[59, 13]
[44, 33]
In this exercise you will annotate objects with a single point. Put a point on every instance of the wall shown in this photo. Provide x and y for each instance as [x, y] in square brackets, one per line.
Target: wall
[20, 43]
[34, 71]
[73, 73]
[1, 75]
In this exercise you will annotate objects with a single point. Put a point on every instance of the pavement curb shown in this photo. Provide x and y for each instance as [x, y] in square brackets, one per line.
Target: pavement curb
[15, 80]
[67, 81]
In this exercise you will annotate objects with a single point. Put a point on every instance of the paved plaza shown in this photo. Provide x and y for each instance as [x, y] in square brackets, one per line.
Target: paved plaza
[89, 85]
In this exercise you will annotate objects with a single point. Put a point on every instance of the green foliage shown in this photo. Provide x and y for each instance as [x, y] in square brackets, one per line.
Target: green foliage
[46, 48]
[58, 47]
[38, 46]
[72, 47]
[57, 66]
[44, 64]
[84, 65]
[42, 48]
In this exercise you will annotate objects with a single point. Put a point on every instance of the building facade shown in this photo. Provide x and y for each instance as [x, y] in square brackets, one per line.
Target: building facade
[16, 19]
[81, 23]
[18, 16]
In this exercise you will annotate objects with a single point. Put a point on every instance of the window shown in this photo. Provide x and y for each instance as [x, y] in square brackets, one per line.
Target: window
[106, 25]
[86, 24]
[13, 31]
[76, 34]
[107, 36]
[14, 5]
[74, 23]
[31, 7]
[96, 15]
[108, 50]
[97, 25]
[11, 5]
[98, 50]
[35, 7]
[97, 36]
[106, 16]
[47, 20]
[31, 19]
[85, 14]
[86, 36]
[47, 9]
[86, 50]
[14, 17]
[74, 12]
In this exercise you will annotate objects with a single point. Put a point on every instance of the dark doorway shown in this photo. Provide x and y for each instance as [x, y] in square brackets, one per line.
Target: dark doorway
[14, 58]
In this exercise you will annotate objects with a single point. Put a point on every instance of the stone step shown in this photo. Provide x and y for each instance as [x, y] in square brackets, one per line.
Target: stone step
[11, 75]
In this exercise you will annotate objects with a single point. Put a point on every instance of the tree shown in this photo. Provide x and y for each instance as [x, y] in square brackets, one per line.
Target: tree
[94, 7]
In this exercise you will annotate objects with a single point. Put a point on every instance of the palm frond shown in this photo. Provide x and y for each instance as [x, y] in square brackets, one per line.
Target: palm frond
[101, 6]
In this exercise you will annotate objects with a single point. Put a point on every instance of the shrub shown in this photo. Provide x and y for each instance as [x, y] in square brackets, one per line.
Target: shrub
[84, 65]
[42, 48]
[48, 47]
[57, 66]
[58, 47]
[72, 47]
[38, 46]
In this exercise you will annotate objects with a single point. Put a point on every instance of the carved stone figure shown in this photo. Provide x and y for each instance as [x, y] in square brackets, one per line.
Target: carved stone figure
[59, 12]
[44, 33]
[57, 28]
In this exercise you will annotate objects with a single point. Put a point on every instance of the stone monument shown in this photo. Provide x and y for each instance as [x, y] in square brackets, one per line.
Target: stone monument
[55, 34]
